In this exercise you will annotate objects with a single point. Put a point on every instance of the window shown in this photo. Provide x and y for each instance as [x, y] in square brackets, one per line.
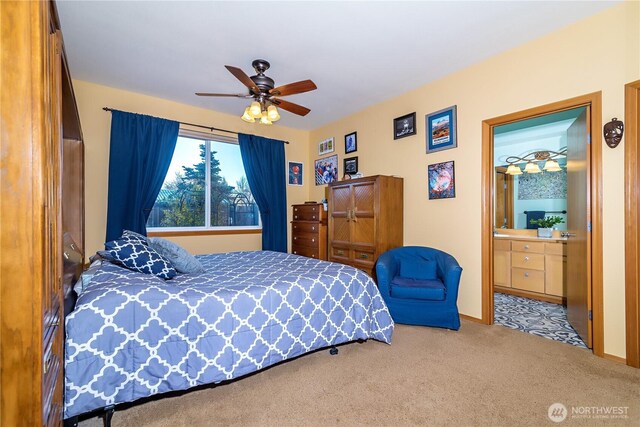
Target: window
[205, 188]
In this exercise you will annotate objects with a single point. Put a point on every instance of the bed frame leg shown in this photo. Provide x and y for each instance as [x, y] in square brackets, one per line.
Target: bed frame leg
[71, 422]
[108, 414]
[333, 350]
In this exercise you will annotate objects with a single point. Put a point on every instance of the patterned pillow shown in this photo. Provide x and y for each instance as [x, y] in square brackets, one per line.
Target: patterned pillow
[181, 259]
[137, 256]
[132, 235]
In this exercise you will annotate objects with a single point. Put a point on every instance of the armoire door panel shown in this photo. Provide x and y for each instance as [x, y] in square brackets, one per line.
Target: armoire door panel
[341, 200]
[364, 196]
[341, 229]
[364, 231]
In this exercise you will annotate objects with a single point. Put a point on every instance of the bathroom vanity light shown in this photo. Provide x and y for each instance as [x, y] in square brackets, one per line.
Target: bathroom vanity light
[532, 159]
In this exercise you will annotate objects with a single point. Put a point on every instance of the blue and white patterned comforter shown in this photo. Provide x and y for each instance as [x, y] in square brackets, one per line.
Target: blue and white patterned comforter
[133, 335]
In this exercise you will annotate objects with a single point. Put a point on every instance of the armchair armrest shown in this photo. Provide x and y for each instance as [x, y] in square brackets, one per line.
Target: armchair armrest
[387, 268]
[451, 271]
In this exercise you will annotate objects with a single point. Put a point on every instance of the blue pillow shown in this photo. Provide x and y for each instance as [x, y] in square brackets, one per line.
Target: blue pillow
[181, 259]
[418, 269]
[137, 256]
[132, 235]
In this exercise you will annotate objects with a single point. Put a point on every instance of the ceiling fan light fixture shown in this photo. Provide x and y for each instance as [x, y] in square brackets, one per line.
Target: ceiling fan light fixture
[272, 113]
[255, 109]
[265, 120]
[247, 117]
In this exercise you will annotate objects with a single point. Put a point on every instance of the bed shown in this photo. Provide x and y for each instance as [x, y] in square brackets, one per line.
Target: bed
[134, 335]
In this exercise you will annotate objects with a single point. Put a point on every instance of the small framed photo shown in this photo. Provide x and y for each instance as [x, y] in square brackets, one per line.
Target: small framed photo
[351, 142]
[351, 165]
[296, 172]
[442, 182]
[404, 126]
[441, 130]
[326, 170]
[326, 146]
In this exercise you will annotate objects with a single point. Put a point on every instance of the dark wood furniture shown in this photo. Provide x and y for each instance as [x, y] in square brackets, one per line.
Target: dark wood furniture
[365, 219]
[41, 138]
[309, 231]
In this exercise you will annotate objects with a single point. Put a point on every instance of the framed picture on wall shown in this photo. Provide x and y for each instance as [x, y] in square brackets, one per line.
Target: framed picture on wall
[295, 173]
[404, 126]
[441, 130]
[351, 142]
[442, 182]
[351, 165]
[326, 146]
[326, 170]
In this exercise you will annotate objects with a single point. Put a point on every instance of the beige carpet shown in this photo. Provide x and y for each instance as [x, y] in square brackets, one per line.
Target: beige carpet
[480, 375]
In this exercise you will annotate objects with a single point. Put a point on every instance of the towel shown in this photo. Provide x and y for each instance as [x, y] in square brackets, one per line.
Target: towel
[533, 215]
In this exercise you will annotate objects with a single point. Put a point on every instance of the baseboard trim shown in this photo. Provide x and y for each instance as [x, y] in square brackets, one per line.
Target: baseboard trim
[613, 358]
[471, 318]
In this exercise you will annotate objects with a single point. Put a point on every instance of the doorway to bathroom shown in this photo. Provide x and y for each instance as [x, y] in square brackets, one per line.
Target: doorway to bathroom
[541, 221]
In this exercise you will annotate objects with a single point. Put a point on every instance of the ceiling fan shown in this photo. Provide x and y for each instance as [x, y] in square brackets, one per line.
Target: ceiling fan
[264, 93]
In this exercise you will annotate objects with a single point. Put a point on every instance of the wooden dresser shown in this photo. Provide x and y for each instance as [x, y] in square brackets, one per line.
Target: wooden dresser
[365, 220]
[530, 268]
[309, 231]
[42, 208]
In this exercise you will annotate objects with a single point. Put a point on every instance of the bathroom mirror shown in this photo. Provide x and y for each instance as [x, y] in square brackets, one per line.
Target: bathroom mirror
[530, 180]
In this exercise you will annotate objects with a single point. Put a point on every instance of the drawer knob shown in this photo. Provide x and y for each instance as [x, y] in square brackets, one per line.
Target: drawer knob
[295, 238]
[295, 210]
[340, 252]
[313, 240]
[314, 217]
[364, 256]
[313, 255]
[296, 216]
[313, 228]
[526, 274]
[526, 246]
[295, 252]
[526, 259]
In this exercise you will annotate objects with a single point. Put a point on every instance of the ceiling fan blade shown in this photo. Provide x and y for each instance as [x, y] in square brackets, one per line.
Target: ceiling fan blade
[242, 76]
[291, 107]
[236, 95]
[293, 88]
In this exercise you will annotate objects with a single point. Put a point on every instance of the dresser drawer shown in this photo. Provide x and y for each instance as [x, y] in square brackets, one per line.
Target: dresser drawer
[530, 261]
[535, 247]
[528, 280]
[305, 239]
[304, 251]
[307, 212]
[304, 227]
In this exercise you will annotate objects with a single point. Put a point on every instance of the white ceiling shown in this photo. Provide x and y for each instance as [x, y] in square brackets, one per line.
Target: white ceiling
[358, 53]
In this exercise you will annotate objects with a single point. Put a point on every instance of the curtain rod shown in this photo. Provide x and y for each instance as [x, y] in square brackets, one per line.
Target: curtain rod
[211, 128]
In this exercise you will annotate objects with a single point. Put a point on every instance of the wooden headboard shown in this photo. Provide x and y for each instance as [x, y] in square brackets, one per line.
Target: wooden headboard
[72, 191]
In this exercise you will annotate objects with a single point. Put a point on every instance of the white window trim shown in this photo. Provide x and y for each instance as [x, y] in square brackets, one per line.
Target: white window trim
[207, 137]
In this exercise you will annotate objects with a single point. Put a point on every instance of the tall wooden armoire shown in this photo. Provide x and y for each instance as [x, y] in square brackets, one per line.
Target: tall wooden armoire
[41, 207]
[365, 219]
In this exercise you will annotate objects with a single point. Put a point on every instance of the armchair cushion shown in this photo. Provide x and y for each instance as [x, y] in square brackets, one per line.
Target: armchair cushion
[408, 288]
[418, 269]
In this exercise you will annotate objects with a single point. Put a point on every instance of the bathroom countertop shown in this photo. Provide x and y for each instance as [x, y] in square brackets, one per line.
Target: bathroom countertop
[525, 237]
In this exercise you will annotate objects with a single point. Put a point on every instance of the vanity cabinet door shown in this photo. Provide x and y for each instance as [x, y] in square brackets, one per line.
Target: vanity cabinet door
[502, 263]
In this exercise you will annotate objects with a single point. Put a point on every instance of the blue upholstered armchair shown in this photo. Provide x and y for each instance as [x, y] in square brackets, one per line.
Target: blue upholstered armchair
[420, 286]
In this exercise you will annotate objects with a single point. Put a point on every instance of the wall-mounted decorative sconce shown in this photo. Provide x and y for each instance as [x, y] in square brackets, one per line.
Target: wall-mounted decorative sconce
[613, 132]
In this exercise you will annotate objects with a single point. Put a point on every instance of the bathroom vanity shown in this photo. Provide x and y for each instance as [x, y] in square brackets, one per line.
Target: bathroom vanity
[530, 266]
